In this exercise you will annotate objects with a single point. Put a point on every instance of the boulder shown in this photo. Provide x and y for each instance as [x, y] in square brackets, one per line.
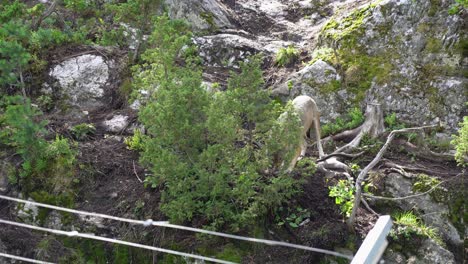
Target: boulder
[27, 212]
[428, 252]
[116, 124]
[201, 14]
[416, 46]
[312, 80]
[432, 213]
[81, 81]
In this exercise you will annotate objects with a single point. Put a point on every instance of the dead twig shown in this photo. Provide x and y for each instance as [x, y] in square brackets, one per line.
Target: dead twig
[135, 172]
[364, 202]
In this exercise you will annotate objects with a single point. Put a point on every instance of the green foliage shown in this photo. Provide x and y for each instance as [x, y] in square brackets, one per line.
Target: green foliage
[286, 56]
[14, 57]
[372, 145]
[325, 54]
[135, 142]
[353, 119]
[307, 166]
[460, 142]
[46, 165]
[424, 183]
[209, 155]
[407, 224]
[355, 168]
[293, 217]
[45, 102]
[82, 131]
[392, 122]
[458, 7]
[138, 14]
[343, 192]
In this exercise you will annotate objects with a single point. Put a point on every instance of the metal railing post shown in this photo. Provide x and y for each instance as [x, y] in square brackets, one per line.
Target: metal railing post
[375, 242]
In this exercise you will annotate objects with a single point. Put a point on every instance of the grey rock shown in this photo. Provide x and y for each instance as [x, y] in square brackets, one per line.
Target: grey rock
[27, 212]
[116, 124]
[428, 252]
[54, 220]
[93, 220]
[309, 81]
[81, 81]
[225, 49]
[3, 176]
[201, 14]
[431, 252]
[433, 214]
[418, 39]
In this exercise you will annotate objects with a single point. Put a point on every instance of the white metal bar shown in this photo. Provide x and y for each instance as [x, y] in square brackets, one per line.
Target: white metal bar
[5, 255]
[375, 243]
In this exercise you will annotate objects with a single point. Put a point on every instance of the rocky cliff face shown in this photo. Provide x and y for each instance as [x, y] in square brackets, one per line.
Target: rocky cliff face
[408, 55]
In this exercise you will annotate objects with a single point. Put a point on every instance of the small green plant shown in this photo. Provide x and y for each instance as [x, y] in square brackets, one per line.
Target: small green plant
[45, 102]
[83, 131]
[343, 192]
[135, 142]
[353, 119]
[392, 122]
[458, 7]
[355, 168]
[460, 142]
[293, 219]
[290, 85]
[408, 224]
[372, 145]
[424, 183]
[307, 166]
[286, 56]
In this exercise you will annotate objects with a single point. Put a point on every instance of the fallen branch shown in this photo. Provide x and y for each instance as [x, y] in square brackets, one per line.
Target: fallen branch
[361, 177]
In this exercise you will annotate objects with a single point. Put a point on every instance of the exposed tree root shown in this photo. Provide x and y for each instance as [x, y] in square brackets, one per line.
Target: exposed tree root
[344, 155]
[403, 169]
[424, 152]
[362, 175]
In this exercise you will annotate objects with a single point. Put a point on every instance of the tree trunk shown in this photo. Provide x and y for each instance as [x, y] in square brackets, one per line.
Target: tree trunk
[373, 126]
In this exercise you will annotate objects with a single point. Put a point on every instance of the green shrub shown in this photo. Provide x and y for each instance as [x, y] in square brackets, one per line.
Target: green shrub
[458, 7]
[286, 56]
[393, 123]
[46, 165]
[307, 166]
[353, 119]
[460, 142]
[83, 131]
[210, 152]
